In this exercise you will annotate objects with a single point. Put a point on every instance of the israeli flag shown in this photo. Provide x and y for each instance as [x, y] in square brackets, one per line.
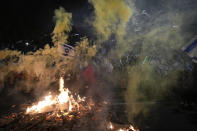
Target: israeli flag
[191, 49]
[66, 50]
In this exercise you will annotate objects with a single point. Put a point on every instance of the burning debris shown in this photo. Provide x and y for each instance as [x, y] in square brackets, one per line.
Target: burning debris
[120, 127]
[65, 101]
[62, 112]
[78, 121]
[45, 121]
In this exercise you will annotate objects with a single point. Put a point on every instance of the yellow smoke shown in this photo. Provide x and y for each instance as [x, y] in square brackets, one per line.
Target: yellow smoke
[62, 27]
[41, 68]
[8, 53]
[83, 55]
[162, 31]
[145, 87]
[111, 17]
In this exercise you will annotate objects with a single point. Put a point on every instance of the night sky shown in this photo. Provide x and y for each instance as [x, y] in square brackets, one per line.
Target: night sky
[32, 21]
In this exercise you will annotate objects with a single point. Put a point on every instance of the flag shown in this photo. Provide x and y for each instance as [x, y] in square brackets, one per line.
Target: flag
[191, 49]
[66, 50]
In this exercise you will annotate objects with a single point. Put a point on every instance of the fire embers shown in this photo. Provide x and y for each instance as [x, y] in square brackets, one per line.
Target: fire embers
[44, 121]
[83, 120]
[64, 112]
[97, 118]
[65, 102]
[120, 127]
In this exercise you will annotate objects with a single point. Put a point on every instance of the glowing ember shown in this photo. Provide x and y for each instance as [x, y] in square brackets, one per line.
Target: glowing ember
[131, 128]
[63, 102]
[117, 127]
[110, 126]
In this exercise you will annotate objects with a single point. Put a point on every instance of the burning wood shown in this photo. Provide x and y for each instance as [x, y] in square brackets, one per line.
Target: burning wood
[62, 112]
[64, 102]
[121, 127]
[54, 120]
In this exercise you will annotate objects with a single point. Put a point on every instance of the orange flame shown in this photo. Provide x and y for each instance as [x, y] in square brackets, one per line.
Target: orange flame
[64, 101]
[110, 126]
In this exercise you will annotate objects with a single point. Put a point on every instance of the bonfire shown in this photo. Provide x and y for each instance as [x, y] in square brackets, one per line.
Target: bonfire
[63, 111]
[64, 102]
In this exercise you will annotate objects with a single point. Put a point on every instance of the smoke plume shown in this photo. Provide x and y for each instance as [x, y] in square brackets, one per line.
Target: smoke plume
[138, 48]
[111, 17]
[147, 56]
[62, 27]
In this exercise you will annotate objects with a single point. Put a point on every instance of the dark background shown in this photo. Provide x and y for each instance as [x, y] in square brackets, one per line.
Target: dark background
[32, 21]
[24, 21]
